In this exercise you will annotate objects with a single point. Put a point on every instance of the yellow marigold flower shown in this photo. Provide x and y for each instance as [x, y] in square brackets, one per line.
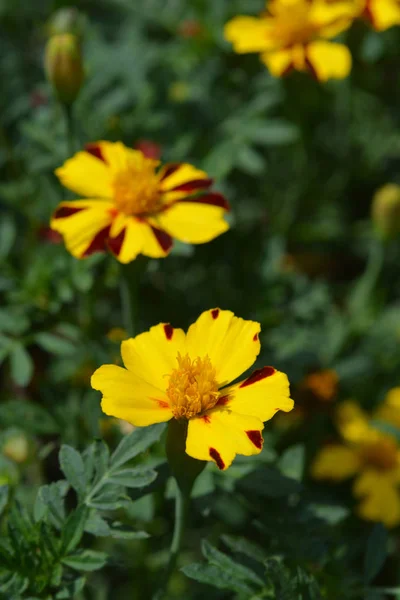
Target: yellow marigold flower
[371, 456]
[382, 14]
[172, 374]
[292, 34]
[133, 206]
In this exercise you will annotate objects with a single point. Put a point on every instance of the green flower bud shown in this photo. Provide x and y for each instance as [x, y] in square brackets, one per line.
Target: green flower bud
[386, 211]
[184, 468]
[64, 67]
[16, 447]
[66, 20]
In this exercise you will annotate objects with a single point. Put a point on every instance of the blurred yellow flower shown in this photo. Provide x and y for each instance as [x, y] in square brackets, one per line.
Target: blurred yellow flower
[293, 34]
[133, 207]
[370, 455]
[323, 384]
[117, 334]
[381, 14]
[169, 374]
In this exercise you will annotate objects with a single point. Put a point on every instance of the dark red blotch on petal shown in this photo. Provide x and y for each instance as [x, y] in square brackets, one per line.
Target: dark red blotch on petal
[169, 331]
[191, 186]
[115, 243]
[256, 438]
[217, 457]
[98, 243]
[222, 401]
[169, 169]
[258, 375]
[214, 199]
[255, 338]
[66, 211]
[206, 419]
[215, 313]
[95, 150]
[163, 238]
[163, 404]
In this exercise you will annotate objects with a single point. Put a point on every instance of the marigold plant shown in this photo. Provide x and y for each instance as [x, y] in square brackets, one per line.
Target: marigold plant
[370, 452]
[169, 374]
[133, 206]
[294, 34]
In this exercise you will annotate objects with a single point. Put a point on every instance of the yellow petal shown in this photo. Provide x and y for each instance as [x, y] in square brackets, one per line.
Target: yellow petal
[183, 173]
[353, 423]
[130, 236]
[128, 397]
[119, 157]
[328, 60]
[332, 18]
[389, 411]
[83, 224]
[193, 222]
[335, 462]
[380, 497]
[231, 343]
[86, 175]
[221, 434]
[248, 34]
[261, 395]
[151, 356]
[383, 13]
[279, 62]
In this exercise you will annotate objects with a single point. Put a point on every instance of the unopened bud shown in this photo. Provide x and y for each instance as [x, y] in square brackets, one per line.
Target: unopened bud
[64, 66]
[66, 20]
[386, 211]
[16, 448]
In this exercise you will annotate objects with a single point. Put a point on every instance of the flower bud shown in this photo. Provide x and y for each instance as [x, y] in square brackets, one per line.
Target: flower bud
[386, 211]
[16, 447]
[64, 67]
[66, 20]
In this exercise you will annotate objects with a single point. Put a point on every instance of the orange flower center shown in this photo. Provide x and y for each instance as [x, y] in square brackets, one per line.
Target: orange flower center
[192, 388]
[136, 189]
[381, 454]
[292, 24]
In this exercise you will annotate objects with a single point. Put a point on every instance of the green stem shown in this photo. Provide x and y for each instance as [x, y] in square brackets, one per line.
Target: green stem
[182, 503]
[69, 119]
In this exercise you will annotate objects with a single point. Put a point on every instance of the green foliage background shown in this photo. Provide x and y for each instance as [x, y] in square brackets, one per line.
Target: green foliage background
[299, 162]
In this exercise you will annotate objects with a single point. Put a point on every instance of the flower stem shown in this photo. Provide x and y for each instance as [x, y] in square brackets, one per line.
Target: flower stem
[70, 128]
[182, 503]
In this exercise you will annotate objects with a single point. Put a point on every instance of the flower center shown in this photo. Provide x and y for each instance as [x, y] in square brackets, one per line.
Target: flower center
[136, 189]
[192, 387]
[292, 25]
[381, 454]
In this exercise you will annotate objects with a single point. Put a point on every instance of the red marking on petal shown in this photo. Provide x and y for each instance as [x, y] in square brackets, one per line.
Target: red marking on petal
[222, 401]
[66, 211]
[255, 338]
[113, 212]
[49, 235]
[215, 313]
[256, 438]
[288, 70]
[215, 455]
[115, 243]
[169, 331]
[258, 375]
[163, 404]
[169, 169]
[98, 243]
[214, 199]
[163, 238]
[191, 186]
[149, 149]
[206, 419]
[310, 66]
[95, 150]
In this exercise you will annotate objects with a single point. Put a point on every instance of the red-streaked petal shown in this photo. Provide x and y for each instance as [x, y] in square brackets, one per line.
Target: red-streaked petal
[214, 199]
[168, 169]
[192, 186]
[215, 455]
[66, 211]
[94, 149]
[164, 239]
[98, 243]
[258, 375]
[115, 243]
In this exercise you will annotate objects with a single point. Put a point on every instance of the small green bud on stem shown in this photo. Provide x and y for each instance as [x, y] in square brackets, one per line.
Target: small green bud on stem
[64, 66]
[386, 211]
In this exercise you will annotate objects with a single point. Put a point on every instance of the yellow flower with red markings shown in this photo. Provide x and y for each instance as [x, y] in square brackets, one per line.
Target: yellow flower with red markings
[133, 206]
[371, 455]
[172, 374]
[382, 14]
[293, 34]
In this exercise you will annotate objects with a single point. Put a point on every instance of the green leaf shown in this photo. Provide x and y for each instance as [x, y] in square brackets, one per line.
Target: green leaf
[55, 344]
[85, 560]
[72, 466]
[291, 462]
[376, 552]
[243, 546]
[35, 418]
[8, 233]
[213, 575]
[133, 478]
[275, 132]
[123, 532]
[21, 364]
[228, 565]
[71, 590]
[73, 529]
[136, 442]
[96, 525]
[4, 489]
[268, 483]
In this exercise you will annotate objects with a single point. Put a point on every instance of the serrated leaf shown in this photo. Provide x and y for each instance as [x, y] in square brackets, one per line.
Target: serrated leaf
[135, 443]
[71, 590]
[227, 564]
[85, 560]
[96, 525]
[72, 466]
[213, 575]
[243, 546]
[133, 478]
[376, 552]
[73, 529]
[21, 364]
